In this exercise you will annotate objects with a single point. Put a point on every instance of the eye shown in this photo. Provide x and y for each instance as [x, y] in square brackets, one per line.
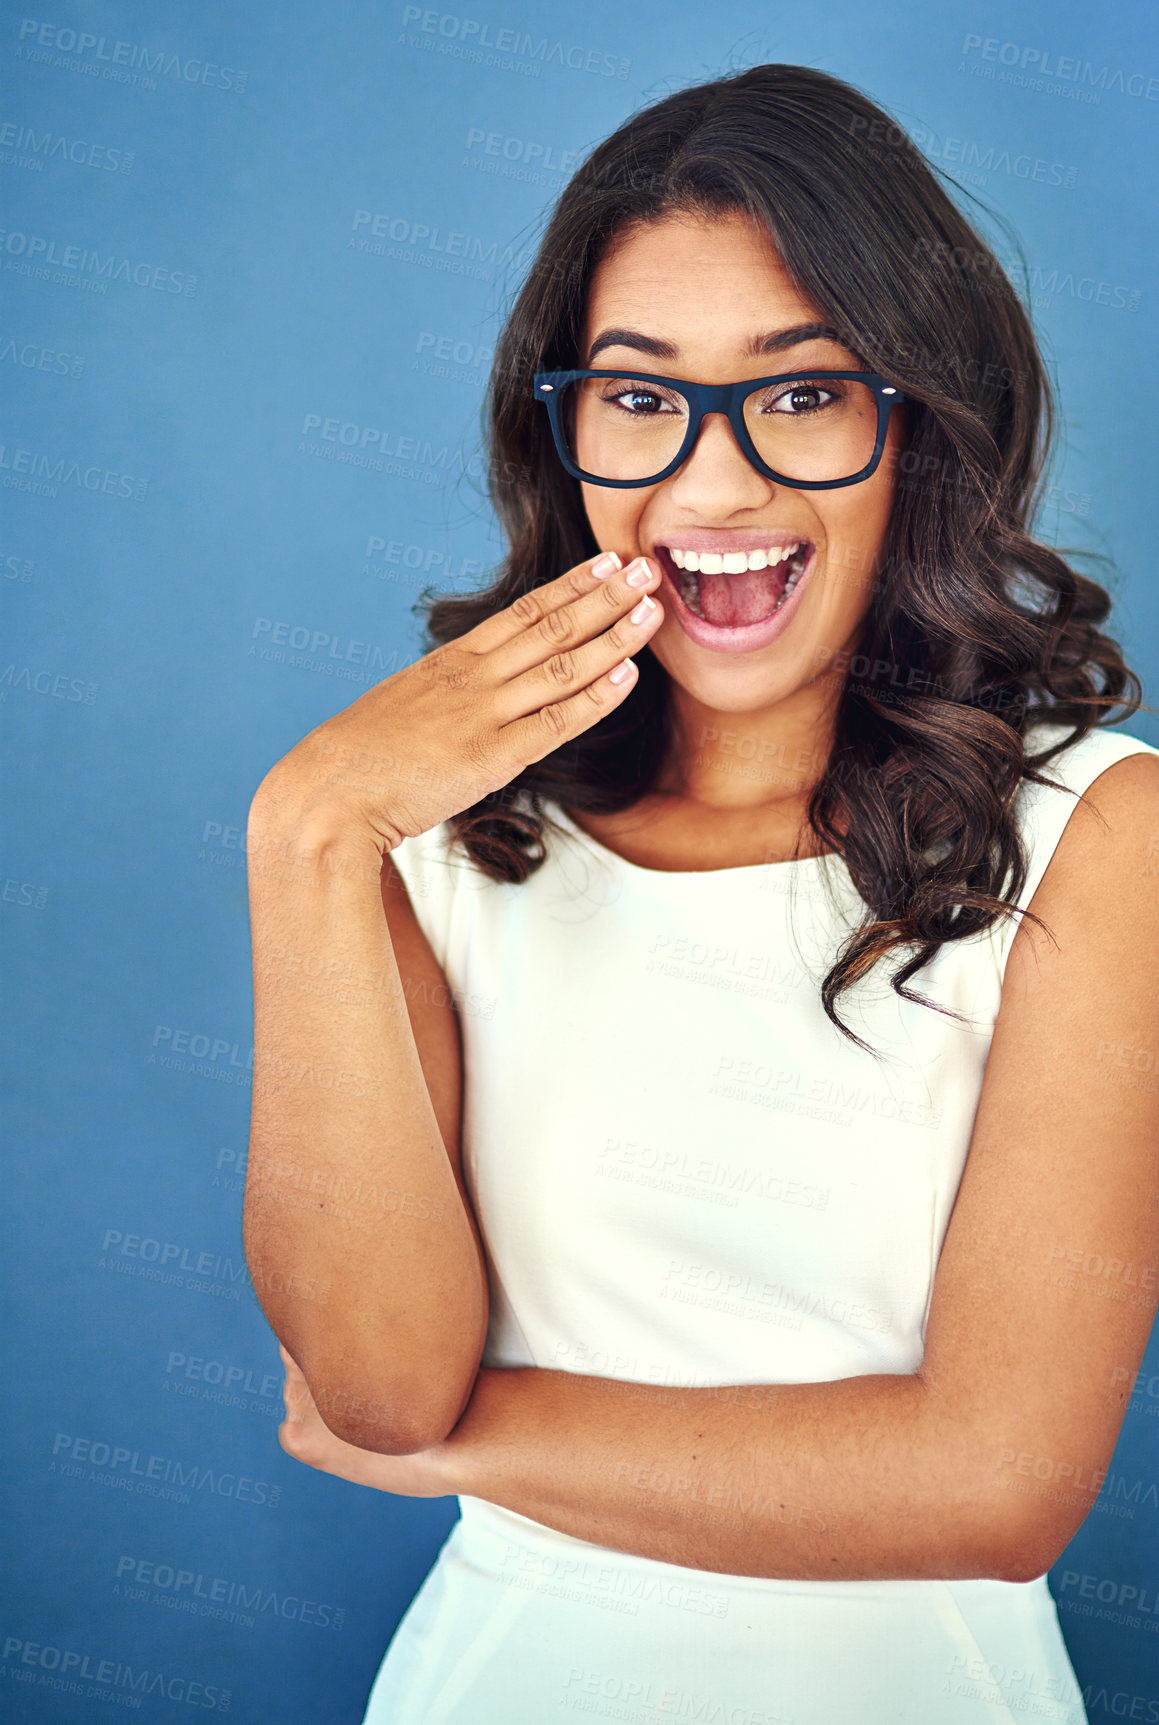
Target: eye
[641, 401]
[795, 399]
[800, 398]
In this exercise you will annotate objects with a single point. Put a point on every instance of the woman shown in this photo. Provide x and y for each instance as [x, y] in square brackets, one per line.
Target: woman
[645, 1271]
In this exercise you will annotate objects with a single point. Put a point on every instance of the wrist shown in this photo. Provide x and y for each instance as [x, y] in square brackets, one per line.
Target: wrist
[298, 831]
[461, 1460]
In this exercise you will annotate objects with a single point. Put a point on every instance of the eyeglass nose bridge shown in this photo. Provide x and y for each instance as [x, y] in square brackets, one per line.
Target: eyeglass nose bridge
[723, 398]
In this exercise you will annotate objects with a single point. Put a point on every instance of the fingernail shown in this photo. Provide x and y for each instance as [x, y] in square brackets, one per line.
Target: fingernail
[643, 610]
[639, 573]
[606, 564]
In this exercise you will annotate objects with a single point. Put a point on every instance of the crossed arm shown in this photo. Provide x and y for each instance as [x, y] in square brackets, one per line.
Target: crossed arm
[986, 1460]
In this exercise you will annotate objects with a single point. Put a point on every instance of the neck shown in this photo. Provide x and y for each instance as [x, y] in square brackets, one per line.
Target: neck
[769, 758]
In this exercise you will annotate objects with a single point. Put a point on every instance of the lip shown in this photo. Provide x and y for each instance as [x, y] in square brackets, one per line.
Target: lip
[749, 637]
[728, 538]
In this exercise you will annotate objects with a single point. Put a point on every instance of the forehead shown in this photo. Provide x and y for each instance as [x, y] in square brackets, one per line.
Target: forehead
[704, 282]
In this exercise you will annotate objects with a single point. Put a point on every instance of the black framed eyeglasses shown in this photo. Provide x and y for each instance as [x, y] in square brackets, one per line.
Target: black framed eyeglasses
[812, 430]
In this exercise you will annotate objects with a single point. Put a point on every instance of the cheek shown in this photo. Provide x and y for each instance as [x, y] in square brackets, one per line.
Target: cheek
[857, 527]
[613, 516]
[602, 528]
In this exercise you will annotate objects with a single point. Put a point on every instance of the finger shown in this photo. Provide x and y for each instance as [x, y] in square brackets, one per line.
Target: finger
[527, 610]
[297, 1399]
[566, 627]
[291, 1364]
[567, 670]
[546, 727]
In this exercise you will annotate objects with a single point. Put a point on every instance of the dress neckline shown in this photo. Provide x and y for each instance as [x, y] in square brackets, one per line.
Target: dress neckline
[560, 814]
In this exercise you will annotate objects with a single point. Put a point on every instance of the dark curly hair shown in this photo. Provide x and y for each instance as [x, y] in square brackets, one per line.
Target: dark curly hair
[995, 629]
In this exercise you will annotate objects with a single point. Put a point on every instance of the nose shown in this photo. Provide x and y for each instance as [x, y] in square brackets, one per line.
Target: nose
[716, 477]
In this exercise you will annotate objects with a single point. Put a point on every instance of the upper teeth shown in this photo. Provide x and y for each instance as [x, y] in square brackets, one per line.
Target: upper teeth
[732, 562]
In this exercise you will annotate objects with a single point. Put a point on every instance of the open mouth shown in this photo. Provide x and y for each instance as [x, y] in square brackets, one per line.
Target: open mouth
[736, 589]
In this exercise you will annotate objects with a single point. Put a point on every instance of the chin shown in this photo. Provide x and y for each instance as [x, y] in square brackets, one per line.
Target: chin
[729, 683]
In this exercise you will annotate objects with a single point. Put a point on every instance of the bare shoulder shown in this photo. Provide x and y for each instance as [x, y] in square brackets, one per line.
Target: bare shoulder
[1123, 800]
[1103, 878]
[430, 1002]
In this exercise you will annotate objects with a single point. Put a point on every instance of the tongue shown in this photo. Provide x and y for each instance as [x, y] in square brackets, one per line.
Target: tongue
[731, 601]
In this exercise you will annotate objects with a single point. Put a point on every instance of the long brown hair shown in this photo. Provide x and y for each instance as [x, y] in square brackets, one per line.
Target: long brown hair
[993, 628]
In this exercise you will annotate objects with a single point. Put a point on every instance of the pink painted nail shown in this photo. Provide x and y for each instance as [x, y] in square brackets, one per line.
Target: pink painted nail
[639, 573]
[643, 610]
[620, 671]
[606, 564]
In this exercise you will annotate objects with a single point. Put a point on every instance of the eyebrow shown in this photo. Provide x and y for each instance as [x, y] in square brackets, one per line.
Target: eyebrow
[774, 341]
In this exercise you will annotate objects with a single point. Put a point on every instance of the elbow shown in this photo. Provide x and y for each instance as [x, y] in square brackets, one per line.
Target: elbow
[1028, 1557]
[996, 1535]
[405, 1421]
[400, 1399]
[402, 1435]
[1027, 1547]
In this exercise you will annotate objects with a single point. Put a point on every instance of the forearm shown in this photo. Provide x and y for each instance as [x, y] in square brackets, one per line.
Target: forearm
[359, 1240]
[854, 1479]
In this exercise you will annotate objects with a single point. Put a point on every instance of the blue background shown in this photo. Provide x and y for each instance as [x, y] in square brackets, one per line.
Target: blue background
[205, 579]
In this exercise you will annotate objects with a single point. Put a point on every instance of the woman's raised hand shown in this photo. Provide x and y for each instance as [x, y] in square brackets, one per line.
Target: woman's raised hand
[466, 719]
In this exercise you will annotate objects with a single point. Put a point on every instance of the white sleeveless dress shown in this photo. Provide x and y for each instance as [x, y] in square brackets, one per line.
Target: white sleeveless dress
[685, 1175]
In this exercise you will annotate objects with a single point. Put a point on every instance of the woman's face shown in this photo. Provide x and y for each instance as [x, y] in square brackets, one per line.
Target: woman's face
[707, 289]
